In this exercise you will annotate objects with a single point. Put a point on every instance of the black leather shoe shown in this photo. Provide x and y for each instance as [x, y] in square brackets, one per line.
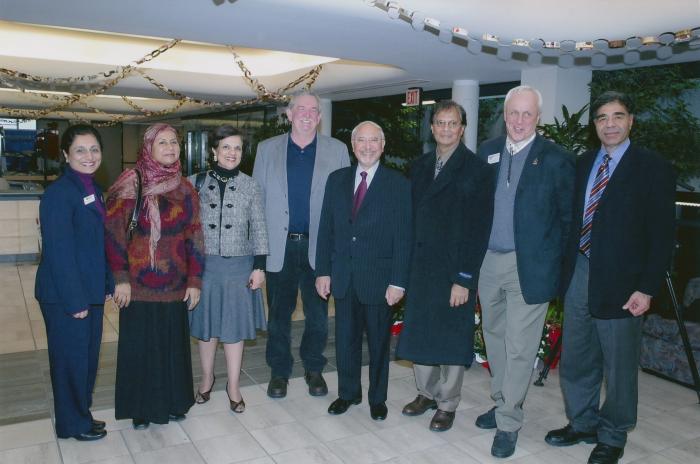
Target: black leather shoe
[140, 424]
[504, 444]
[176, 417]
[317, 386]
[418, 406]
[98, 424]
[378, 411]
[487, 420]
[340, 405]
[568, 436]
[277, 388]
[605, 454]
[442, 420]
[91, 435]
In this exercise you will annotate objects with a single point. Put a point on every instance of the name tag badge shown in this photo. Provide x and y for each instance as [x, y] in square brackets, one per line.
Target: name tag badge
[495, 158]
[89, 199]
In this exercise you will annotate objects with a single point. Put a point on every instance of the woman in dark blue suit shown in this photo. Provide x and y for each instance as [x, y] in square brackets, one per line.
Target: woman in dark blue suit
[73, 282]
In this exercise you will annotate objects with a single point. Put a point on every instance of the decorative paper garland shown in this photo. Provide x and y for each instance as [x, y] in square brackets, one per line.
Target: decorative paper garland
[97, 84]
[564, 53]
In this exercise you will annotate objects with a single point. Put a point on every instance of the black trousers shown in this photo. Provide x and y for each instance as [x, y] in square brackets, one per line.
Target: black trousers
[282, 289]
[352, 319]
[74, 349]
[593, 349]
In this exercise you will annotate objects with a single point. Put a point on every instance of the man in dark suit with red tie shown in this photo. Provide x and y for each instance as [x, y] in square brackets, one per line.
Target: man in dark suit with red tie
[624, 212]
[362, 258]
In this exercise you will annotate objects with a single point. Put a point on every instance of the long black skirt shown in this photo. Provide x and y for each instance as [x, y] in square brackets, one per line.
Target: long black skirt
[154, 367]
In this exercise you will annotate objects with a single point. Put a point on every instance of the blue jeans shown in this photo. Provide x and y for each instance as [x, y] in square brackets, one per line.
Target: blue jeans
[282, 289]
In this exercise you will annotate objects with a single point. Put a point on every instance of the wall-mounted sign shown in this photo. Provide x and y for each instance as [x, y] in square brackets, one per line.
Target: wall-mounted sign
[413, 96]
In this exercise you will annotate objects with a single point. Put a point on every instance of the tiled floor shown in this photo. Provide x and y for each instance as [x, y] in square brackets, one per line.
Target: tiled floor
[297, 429]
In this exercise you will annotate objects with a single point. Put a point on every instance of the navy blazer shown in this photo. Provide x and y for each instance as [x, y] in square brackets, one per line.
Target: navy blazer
[73, 270]
[633, 230]
[542, 214]
[374, 250]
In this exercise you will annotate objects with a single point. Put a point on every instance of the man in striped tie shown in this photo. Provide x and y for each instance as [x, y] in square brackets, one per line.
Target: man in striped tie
[625, 214]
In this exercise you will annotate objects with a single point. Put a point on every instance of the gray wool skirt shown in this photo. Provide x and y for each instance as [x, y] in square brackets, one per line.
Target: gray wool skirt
[227, 309]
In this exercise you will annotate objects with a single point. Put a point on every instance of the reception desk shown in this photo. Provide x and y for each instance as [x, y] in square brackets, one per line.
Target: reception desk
[20, 236]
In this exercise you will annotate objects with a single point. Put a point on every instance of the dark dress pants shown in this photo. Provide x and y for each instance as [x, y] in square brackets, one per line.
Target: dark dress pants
[352, 318]
[74, 349]
[593, 349]
[282, 289]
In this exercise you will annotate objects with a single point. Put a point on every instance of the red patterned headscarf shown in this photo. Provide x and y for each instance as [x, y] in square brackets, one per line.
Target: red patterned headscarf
[157, 179]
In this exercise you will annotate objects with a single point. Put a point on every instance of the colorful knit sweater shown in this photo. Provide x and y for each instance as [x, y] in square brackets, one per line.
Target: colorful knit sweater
[179, 258]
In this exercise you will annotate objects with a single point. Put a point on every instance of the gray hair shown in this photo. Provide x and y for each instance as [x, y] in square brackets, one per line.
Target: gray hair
[370, 123]
[304, 93]
[520, 89]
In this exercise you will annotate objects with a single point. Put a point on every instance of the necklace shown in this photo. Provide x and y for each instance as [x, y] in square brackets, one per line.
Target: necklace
[221, 178]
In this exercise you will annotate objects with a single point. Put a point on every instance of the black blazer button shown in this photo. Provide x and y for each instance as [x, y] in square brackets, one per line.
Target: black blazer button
[228, 226]
[211, 187]
[229, 205]
[212, 226]
[212, 205]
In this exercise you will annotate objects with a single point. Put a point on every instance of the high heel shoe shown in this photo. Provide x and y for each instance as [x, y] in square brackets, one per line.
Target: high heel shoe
[236, 406]
[201, 398]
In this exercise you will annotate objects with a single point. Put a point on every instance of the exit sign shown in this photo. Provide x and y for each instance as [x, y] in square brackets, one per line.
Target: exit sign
[413, 96]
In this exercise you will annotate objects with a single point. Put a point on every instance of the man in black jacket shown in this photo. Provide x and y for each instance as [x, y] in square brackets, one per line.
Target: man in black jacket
[362, 256]
[452, 193]
[624, 210]
[522, 267]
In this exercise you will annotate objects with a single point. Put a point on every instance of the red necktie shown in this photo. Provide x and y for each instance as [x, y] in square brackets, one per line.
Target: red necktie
[359, 195]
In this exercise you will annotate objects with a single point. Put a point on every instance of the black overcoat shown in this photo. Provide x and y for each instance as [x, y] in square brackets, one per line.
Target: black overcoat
[452, 217]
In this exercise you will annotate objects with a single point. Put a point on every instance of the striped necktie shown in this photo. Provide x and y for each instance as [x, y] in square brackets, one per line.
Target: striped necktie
[601, 180]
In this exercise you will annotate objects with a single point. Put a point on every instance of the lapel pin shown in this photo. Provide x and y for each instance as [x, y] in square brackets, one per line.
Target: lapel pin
[535, 162]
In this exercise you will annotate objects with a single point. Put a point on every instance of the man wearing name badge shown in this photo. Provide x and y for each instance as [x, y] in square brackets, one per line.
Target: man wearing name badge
[624, 212]
[452, 196]
[362, 257]
[521, 271]
[292, 170]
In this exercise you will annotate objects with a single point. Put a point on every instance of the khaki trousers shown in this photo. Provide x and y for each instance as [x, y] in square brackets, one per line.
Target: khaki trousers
[512, 333]
[442, 383]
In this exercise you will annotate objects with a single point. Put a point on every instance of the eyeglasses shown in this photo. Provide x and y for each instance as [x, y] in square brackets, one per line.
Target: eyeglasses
[449, 124]
[371, 141]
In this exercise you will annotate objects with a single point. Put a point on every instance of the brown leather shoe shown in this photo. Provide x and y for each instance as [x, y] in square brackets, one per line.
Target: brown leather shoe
[418, 406]
[442, 420]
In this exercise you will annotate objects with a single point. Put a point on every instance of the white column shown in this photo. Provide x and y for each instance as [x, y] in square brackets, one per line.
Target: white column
[326, 116]
[559, 87]
[466, 93]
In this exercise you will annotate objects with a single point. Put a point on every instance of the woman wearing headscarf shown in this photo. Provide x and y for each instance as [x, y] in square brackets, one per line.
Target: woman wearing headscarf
[73, 281]
[235, 239]
[157, 269]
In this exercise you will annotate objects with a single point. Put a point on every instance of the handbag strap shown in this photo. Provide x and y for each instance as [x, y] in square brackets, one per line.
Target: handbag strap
[137, 207]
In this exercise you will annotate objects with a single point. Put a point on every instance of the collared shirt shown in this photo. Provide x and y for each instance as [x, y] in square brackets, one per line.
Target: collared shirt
[442, 158]
[300, 172]
[615, 158]
[515, 147]
[370, 175]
